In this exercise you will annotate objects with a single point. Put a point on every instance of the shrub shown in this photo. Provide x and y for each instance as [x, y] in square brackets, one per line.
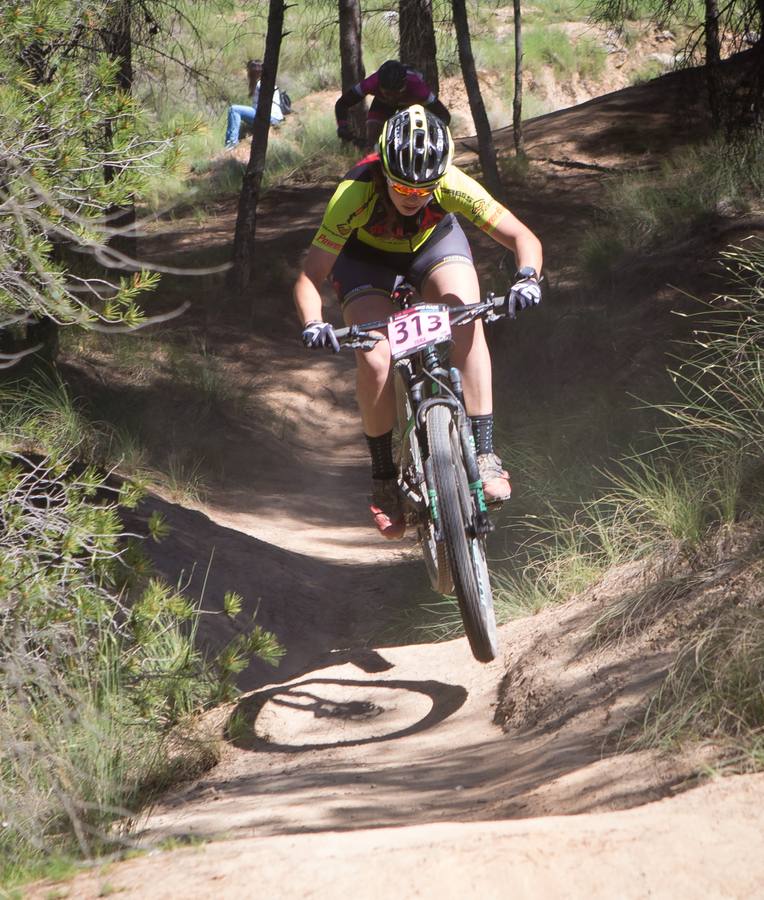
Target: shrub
[97, 664]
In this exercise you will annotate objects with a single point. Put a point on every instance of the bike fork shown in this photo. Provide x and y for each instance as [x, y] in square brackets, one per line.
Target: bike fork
[429, 477]
[483, 524]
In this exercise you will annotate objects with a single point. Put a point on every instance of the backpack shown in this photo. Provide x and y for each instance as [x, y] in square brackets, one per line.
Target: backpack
[285, 103]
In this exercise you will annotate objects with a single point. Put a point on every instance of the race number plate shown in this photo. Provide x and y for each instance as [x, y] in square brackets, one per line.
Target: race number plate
[411, 329]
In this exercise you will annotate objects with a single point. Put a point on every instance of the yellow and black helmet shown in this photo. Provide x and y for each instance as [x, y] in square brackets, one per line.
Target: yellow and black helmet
[415, 147]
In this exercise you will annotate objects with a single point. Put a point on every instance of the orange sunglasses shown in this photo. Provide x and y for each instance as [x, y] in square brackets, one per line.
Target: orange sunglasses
[405, 191]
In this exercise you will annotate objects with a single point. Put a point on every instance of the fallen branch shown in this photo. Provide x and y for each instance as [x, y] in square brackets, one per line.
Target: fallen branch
[573, 164]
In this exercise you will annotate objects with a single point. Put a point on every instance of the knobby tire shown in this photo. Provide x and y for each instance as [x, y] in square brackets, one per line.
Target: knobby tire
[466, 553]
[435, 554]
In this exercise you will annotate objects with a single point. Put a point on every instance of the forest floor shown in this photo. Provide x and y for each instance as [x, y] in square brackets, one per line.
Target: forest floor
[368, 766]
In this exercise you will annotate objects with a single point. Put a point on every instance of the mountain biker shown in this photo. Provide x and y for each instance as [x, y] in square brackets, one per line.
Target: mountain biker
[391, 216]
[394, 86]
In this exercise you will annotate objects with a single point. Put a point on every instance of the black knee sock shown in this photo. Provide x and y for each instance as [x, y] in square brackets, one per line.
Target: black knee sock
[482, 431]
[381, 450]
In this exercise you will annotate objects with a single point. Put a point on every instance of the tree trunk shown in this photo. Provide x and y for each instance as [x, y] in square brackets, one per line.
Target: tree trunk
[118, 42]
[417, 39]
[351, 61]
[517, 103]
[486, 149]
[758, 95]
[246, 220]
[713, 58]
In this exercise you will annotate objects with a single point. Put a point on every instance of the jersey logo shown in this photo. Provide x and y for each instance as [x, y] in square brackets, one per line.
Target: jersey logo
[323, 239]
[478, 209]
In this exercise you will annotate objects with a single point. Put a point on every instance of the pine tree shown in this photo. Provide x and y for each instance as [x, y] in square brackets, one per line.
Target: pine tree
[73, 145]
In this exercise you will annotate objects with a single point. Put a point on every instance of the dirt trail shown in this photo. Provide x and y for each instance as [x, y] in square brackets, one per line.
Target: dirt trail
[382, 770]
[697, 845]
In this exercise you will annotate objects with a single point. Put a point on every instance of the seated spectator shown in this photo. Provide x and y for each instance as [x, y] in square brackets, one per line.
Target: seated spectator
[394, 86]
[246, 114]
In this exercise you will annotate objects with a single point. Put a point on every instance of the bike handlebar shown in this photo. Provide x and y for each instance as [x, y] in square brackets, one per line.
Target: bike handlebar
[359, 337]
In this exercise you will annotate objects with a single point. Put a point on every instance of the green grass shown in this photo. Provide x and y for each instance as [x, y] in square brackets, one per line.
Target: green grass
[562, 557]
[716, 687]
[15, 874]
[694, 186]
[701, 470]
[307, 150]
[686, 512]
[183, 478]
[40, 412]
[552, 47]
[650, 69]
[303, 149]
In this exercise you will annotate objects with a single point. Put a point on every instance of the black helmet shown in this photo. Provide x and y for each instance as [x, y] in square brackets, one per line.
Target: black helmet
[415, 147]
[392, 75]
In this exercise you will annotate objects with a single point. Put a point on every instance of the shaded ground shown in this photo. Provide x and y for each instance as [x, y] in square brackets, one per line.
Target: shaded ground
[638, 853]
[386, 767]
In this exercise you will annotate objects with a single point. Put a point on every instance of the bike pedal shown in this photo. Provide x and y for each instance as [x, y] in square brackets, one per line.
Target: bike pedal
[414, 499]
[481, 531]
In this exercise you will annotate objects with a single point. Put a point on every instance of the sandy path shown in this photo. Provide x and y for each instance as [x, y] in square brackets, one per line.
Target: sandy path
[692, 846]
[387, 776]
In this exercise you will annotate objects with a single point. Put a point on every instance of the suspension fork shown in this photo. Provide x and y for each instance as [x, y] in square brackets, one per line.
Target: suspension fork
[414, 489]
[483, 524]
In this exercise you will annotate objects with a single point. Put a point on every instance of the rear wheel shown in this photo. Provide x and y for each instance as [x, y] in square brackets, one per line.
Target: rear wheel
[466, 550]
[412, 471]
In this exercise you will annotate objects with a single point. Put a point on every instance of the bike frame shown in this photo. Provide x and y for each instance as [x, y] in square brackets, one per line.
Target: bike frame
[428, 383]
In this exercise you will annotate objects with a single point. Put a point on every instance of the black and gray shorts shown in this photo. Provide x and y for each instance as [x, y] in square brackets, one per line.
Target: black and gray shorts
[361, 270]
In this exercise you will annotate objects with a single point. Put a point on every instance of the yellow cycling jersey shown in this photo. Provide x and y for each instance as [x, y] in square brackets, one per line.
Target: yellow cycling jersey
[355, 208]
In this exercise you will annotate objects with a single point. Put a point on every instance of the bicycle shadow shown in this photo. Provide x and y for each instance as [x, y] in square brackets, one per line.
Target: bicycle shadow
[243, 731]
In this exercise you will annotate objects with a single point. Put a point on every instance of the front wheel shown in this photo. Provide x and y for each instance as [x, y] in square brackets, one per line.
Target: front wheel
[412, 472]
[465, 549]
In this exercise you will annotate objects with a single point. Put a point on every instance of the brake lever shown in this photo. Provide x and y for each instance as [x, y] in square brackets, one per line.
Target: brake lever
[360, 344]
[498, 303]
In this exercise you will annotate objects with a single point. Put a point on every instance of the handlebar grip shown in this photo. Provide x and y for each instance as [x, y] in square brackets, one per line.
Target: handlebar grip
[354, 338]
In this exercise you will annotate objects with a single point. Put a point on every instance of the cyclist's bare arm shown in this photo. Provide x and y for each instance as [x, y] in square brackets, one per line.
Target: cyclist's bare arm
[512, 234]
[307, 289]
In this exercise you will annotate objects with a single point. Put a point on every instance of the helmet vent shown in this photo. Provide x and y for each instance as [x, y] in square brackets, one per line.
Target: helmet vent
[415, 147]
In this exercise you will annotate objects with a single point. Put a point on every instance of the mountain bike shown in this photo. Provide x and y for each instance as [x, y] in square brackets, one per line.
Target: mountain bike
[438, 473]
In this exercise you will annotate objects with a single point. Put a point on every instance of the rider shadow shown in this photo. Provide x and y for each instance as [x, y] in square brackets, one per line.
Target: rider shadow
[305, 697]
[322, 708]
[366, 659]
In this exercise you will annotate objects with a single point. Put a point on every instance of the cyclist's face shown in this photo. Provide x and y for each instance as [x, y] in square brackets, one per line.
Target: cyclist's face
[406, 204]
